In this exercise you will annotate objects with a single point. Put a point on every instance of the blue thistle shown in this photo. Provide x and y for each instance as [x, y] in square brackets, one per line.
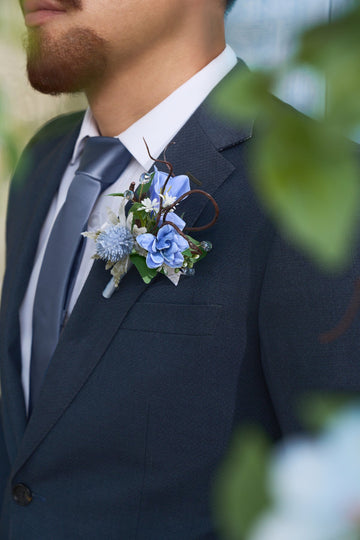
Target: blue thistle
[114, 243]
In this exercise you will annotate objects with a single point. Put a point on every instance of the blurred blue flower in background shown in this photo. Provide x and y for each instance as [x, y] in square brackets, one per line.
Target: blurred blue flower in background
[315, 485]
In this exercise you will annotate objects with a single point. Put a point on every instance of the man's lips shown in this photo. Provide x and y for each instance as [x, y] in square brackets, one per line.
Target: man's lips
[39, 11]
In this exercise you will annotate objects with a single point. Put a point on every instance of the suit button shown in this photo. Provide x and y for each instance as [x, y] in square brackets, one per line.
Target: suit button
[22, 494]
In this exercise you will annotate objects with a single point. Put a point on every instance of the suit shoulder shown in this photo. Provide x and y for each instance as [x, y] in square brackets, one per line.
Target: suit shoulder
[40, 144]
[56, 128]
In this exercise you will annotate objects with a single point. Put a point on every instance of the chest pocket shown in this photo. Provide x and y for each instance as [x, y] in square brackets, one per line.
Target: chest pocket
[186, 319]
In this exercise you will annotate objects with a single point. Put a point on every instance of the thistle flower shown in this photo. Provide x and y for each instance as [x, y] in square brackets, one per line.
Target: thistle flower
[114, 244]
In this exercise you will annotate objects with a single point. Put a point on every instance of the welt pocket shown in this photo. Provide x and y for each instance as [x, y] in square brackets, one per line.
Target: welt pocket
[188, 319]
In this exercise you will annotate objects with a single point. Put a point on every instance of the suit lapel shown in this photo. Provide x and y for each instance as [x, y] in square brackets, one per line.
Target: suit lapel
[30, 216]
[76, 357]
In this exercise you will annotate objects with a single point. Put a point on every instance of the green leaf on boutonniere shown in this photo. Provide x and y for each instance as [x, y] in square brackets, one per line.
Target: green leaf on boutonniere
[135, 207]
[139, 213]
[146, 273]
[188, 252]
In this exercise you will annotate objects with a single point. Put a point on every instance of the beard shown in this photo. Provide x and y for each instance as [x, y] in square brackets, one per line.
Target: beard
[70, 63]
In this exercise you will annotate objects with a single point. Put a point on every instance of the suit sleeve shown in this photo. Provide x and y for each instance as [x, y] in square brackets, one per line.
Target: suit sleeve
[299, 303]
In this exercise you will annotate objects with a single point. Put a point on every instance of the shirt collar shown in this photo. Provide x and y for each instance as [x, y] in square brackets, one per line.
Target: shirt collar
[155, 126]
[88, 128]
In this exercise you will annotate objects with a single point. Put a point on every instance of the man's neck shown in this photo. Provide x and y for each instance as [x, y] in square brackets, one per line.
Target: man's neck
[126, 95]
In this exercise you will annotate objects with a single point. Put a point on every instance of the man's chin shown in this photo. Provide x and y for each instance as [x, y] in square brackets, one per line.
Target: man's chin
[68, 64]
[54, 82]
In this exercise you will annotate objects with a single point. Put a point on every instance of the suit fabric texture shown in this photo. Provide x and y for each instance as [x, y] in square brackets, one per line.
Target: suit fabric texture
[145, 390]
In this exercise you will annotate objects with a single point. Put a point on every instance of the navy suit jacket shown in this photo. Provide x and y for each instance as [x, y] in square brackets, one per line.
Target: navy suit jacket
[145, 389]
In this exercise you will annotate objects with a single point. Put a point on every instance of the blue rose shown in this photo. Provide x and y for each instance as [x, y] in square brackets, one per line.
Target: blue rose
[165, 248]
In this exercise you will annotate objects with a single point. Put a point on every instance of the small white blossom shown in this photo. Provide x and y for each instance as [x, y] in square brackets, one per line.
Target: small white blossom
[149, 205]
[168, 200]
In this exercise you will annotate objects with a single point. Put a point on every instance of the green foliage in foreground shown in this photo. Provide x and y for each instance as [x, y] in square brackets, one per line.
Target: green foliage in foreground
[249, 490]
[307, 172]
[240, 493]
[8, 145]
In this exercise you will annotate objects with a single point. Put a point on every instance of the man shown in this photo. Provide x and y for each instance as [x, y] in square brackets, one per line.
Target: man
[120, 433]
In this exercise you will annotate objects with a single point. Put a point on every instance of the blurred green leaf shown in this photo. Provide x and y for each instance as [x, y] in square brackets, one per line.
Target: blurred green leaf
[243, 96]
[334, 50]
[306, 174]
[240, 488]
[317, 409]
[308, 179]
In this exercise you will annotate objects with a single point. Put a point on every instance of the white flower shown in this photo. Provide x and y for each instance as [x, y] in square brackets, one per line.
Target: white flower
[152, 205]
[149, 205]
[168, 200]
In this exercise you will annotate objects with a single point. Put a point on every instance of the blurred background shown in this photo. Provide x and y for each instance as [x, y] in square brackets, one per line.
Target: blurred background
[262, 32]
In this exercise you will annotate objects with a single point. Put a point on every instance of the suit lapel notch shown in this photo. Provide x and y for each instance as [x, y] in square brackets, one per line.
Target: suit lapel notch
[198, 151]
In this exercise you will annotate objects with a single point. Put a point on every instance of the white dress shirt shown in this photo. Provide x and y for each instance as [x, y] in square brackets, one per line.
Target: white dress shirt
[158, 127]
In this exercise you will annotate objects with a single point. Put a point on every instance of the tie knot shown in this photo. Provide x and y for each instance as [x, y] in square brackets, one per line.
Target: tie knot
[104, 159]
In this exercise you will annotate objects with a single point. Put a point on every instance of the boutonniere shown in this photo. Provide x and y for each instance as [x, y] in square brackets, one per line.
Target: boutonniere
[152, 236]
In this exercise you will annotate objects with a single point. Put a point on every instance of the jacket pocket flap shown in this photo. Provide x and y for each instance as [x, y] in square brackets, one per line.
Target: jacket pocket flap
[188, 319]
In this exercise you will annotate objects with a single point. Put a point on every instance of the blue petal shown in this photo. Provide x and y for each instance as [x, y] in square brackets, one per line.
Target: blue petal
[176, 186]
[170, 250]
[146, 241]
[154, 260]
[164, 231]
[181, 243]
[175, 261]
[174, 218]
[164, 243]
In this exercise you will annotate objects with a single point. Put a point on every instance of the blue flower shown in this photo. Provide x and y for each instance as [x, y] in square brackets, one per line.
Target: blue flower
[165, 248]
[114, 243]
[176, 186]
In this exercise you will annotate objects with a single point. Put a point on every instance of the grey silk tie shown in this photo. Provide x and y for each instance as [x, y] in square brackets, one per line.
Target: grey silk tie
[102, 162]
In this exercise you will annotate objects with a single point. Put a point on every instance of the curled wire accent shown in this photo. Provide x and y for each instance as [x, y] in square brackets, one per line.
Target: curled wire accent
[193, 247]
[201, 192]
[347, 319]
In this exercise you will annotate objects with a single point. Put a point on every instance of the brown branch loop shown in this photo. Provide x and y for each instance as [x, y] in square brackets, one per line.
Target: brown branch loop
[169, 208]
[347, 319]
[167, 163]
[201, 192]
